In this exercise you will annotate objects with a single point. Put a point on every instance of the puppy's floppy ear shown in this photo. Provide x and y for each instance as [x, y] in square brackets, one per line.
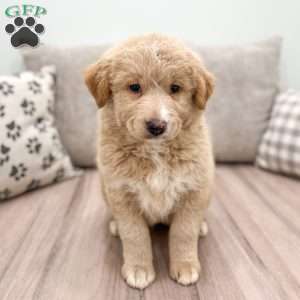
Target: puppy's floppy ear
[205, 83]
[97, 79]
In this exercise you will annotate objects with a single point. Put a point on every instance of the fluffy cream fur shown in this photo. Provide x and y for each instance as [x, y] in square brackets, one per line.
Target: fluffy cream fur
[145, 179]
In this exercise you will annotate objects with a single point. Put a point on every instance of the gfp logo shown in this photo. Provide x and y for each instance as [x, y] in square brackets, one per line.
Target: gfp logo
[24, 29]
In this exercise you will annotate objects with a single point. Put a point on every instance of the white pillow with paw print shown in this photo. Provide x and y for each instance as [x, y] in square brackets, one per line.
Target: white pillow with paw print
[31, 154]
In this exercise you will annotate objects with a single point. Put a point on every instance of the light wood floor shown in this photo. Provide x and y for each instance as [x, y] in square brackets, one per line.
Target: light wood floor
[54, 243]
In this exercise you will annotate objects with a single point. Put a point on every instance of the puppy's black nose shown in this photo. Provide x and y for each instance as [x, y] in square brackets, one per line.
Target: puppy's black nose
[156, 127]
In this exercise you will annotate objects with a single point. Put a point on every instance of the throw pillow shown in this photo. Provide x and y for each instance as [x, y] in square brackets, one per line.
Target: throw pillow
[279, 150]
[31, 153]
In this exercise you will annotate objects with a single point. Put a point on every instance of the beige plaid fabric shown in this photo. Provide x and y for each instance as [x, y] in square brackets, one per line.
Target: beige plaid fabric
[279, 149]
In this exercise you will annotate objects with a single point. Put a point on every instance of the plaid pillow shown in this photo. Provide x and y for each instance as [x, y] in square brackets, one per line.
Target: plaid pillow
[279, 149]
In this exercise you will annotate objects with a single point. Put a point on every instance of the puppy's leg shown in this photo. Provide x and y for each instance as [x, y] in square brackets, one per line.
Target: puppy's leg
[137, 269]
[186, 226]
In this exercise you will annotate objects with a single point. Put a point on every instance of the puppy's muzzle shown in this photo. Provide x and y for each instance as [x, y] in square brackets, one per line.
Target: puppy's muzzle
[156, 127]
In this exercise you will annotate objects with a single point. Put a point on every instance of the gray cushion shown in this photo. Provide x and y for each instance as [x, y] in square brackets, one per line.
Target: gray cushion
[75, 110]
[247, 81]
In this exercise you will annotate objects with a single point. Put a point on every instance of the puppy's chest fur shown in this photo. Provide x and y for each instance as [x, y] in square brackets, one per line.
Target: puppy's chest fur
[161, 189]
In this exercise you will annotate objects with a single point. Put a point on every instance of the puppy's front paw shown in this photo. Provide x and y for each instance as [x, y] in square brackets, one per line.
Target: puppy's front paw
[138, 276]
[185, 272]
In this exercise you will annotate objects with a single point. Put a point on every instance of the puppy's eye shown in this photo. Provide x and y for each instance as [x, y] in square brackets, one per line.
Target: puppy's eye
[174, 88]
[135, 87]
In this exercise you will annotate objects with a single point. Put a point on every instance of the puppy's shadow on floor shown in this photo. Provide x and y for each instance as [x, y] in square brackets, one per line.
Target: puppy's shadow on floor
[159, 235]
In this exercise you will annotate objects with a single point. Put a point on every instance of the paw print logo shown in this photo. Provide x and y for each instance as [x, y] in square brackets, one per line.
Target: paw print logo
[48, 161]
[2, 111]
[35, 87]
[6, 88]
[4, 154]
[18, 171]
[34, 184]
[24, 33]
[28, 107]
[41, 124]
[33, 146]
[4, 194]
[13, 130]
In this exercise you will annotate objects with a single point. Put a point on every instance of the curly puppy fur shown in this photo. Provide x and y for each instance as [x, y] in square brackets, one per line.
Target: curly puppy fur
[150, 178]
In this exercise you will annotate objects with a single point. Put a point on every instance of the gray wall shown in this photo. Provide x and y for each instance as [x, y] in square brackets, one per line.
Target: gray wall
[206, 22]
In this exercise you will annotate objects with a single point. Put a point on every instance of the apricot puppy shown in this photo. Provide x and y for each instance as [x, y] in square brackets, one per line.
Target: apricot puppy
[154, 153]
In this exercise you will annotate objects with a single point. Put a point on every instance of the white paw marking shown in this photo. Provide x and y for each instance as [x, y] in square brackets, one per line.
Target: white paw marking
[138, 276]
[185, 273]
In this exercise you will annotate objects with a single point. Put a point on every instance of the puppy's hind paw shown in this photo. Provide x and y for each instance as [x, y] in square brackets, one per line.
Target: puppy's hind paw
[138, 276]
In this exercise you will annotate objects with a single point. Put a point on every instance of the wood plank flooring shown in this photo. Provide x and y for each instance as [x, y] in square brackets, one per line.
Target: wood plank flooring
[55, 244]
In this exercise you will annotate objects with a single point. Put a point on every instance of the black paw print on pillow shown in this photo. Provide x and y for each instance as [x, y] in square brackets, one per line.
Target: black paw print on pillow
[4, 194]
[28, 107]
[25, 34]
[6, 88]
[41, 124]
[18, 171]
[4, 154]
[35, 87]
[34, 184]
[33, 145]
[2, 111]
[13, 130]
[48, 161]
